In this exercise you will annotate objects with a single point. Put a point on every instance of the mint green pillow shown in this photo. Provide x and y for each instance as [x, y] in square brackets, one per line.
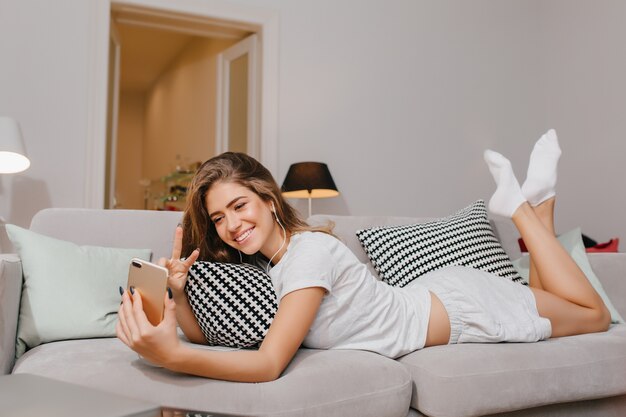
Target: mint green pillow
[69, 291]
[572, 241]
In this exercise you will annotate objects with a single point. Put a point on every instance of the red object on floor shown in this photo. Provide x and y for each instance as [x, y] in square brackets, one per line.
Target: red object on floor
[522, 245]
[610, 246]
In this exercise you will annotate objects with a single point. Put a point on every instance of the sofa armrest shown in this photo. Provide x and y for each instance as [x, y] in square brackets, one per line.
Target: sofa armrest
[10, 294]
[610, 268]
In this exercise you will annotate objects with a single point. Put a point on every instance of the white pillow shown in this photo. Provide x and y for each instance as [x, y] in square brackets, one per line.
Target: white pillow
[69, 291]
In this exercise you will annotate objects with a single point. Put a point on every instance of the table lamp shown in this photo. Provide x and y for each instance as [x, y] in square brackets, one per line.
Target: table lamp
[309, 180]
[12, 154]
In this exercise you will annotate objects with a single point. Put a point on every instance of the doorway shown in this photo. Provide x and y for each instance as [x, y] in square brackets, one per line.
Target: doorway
[217, 25]
[178, 87]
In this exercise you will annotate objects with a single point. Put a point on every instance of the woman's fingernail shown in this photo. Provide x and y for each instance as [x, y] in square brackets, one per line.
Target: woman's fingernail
[121, 291]
[132, 290]
[169, 293]
[179, 225]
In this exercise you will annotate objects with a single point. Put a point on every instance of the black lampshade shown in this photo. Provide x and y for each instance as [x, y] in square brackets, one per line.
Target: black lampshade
[309, 180]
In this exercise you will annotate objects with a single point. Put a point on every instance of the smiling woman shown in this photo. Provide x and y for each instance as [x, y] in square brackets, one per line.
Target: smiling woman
[232, 203]
[244, 221]
[328, 299]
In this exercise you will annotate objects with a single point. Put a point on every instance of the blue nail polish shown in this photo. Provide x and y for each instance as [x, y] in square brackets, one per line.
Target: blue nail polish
[132, 290]
[169, 293]
[121, 291]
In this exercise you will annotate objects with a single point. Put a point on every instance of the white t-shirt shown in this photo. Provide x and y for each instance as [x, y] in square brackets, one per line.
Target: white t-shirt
[358, 311]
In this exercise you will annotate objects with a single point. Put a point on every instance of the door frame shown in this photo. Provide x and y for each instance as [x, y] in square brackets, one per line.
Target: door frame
[264, 21]
[224, 59]
[109, 200]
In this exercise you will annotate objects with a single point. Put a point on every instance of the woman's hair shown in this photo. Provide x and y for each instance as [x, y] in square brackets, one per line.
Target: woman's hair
[198, 228]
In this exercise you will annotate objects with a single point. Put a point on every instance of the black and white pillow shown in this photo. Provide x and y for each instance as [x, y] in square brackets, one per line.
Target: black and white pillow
[233, 303]
[402, 253]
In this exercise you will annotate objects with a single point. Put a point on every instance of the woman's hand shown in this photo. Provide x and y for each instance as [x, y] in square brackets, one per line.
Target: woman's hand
[177, 267]
[157, 344]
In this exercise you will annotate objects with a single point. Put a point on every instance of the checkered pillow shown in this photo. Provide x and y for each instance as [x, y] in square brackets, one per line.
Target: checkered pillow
[402, 253]
[233, 303]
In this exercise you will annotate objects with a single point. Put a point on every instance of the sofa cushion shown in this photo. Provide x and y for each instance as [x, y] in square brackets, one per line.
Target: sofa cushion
[610, 268]
[113, 228]
[10, 290]
[69, 291]
[316, 382]
[456, 380]
[403, 253]
[234, 304]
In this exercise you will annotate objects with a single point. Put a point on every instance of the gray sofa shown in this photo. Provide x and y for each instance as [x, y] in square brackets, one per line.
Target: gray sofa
[571, 376]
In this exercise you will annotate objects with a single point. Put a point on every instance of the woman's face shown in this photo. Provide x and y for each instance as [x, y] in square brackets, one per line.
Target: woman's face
[242, 219]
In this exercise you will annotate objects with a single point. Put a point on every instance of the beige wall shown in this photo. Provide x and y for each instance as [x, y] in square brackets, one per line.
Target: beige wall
[171, 124]
[129, 163]
[238, 105]
[180, 110]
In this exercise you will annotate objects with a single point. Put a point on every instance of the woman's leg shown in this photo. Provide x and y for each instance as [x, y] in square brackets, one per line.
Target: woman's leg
[539, 187]
[439, 324]
[545, 213]
[568, 300]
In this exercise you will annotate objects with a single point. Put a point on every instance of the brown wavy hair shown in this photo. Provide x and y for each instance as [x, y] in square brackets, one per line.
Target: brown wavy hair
[199, 230]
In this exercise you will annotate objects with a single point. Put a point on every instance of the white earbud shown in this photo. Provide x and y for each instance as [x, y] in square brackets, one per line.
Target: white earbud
[267, 269]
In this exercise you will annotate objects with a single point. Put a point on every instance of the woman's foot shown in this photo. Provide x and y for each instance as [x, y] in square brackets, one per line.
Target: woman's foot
[508, 195]
[541, 177]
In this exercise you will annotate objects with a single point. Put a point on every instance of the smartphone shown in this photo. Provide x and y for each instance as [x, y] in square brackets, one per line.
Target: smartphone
[151, 282]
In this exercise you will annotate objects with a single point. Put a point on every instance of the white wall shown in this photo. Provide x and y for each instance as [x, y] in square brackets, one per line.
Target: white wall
[585, 94]
[399, 97]
[44, 83]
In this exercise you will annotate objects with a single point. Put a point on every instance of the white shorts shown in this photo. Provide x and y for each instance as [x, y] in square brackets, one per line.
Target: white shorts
[486, 308]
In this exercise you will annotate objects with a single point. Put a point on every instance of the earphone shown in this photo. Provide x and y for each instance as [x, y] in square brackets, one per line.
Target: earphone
[267, 269]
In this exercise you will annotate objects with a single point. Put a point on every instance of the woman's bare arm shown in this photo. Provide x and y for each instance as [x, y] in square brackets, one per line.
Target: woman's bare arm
[291, 324]
[295, 315]
[177, 278]
[187, 321]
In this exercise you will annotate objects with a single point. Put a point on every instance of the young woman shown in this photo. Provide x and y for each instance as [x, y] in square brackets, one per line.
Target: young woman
[329, 300]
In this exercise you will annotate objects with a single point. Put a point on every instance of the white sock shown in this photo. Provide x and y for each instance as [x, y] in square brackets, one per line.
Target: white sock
[508, 196]
[541, 177]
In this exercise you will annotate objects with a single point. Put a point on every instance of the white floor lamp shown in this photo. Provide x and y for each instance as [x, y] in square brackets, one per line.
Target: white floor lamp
[12, 154]
[12, 158]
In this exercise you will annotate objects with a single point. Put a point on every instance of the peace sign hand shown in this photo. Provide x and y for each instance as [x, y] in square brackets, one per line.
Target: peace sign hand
[178, 267]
